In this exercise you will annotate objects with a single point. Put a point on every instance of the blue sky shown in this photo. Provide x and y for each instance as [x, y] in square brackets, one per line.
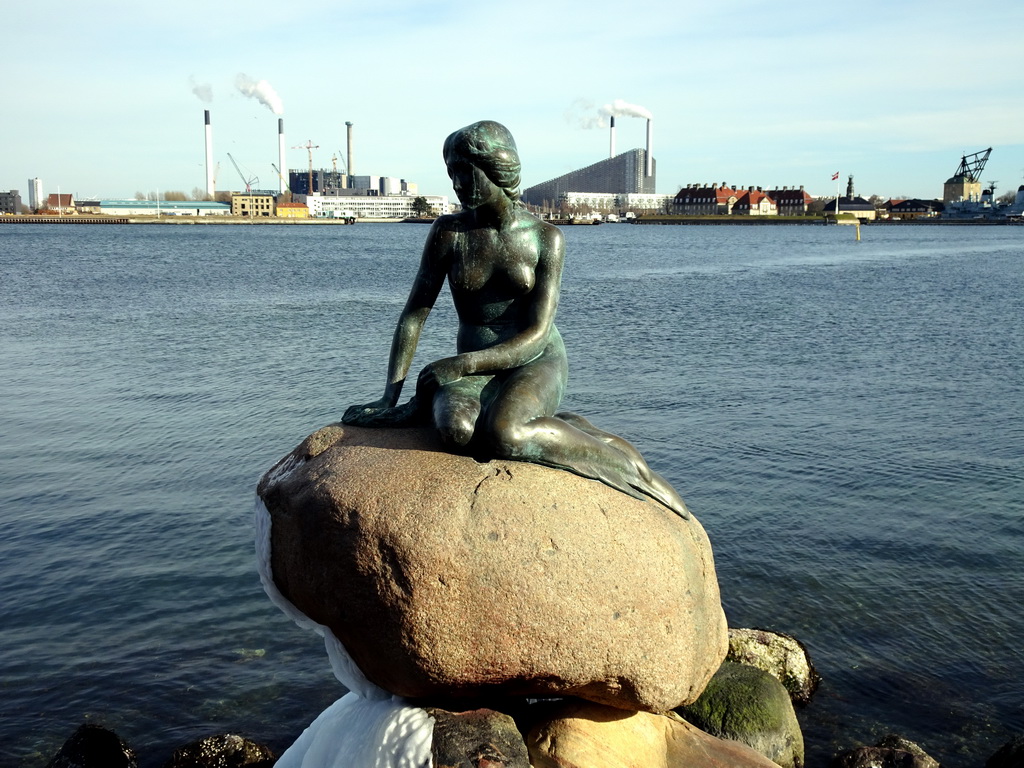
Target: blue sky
[99, 96]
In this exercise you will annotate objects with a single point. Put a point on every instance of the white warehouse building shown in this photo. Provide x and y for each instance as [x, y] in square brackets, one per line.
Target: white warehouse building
[370, 206]
[616, 202]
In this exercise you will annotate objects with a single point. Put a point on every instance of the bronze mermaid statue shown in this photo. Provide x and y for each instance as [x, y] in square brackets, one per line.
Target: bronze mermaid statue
[498, 396]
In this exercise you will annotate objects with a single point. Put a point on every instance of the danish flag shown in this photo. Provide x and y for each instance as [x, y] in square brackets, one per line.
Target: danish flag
[835, 176]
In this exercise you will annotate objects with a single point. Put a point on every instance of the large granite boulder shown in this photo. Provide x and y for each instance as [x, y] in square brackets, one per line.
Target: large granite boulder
[444, 576]
[584, 735]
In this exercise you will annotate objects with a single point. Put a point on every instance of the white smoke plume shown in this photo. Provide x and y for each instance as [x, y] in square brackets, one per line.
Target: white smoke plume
[584, 114]
[624, 109]
[262, 91]
[203, 91]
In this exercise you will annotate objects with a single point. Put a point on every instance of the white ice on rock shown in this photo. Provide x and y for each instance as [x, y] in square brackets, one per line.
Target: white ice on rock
[365, 728]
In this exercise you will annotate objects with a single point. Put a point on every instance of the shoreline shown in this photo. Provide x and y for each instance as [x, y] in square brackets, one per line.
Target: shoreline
[745, 221]
[202, 220]
[805, 221]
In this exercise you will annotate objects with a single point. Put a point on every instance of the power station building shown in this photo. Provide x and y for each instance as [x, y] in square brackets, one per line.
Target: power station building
[624, 174]
[328, 182]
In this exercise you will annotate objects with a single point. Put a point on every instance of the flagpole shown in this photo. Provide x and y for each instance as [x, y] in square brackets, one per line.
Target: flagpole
[839, 181]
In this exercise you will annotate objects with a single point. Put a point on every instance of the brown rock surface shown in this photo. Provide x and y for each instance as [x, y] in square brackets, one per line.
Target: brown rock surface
[445, 576]
[583, 735]
[482, 738]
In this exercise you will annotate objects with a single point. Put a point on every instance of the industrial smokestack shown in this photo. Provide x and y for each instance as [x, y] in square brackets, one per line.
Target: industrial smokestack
[209, 155]
[348, 160]
[280, 155]
[611, 148]
[650, 157]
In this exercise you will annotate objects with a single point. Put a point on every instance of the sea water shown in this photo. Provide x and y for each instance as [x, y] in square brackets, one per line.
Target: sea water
[846, 419]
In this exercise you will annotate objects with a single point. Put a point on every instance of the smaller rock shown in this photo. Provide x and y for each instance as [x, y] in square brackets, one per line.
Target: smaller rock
[891, 752]
[780, 655]
[580, 734]
[1010, 755]
[749, 705]
[223, 750]
[481, 738]
[93, 746]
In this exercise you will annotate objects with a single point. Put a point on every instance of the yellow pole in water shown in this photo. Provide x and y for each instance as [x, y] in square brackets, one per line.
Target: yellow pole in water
[858, 231]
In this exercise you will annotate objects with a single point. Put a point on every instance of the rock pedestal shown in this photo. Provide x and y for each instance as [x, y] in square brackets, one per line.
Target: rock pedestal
[443, 576]
[581, 734]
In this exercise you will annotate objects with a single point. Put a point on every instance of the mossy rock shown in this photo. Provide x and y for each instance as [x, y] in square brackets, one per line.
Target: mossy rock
[751, 706]
[783, 656]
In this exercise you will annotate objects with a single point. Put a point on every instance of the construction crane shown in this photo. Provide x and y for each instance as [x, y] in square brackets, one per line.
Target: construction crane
[972, 166]
[309, 146]
[250, 182]
[280, 176]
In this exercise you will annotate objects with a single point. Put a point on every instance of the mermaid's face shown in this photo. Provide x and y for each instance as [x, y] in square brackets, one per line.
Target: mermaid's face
[471, 185]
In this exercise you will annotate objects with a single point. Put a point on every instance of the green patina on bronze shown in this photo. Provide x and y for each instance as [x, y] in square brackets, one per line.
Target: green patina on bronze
[498, 396]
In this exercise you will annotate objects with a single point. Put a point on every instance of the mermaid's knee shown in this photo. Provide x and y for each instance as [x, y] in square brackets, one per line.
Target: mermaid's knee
[456, 433]
[509, 440]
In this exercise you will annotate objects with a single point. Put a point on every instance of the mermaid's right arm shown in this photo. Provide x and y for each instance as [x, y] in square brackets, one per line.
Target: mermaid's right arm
[425, 289]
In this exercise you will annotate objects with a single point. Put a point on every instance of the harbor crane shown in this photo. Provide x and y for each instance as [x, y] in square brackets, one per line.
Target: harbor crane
[281, 176]
[972, 166]
[250, 182]
[309, 146]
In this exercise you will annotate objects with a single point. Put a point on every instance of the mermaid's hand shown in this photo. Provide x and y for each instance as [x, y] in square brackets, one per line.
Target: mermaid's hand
[365, 415]
[438, 373]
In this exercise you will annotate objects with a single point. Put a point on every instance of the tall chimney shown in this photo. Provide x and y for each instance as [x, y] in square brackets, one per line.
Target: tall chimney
[281, 167]
[650, 157]
[209, 155]
[611, 150]
[348, 150]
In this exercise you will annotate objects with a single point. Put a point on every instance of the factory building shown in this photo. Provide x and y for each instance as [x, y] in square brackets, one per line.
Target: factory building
[10, 202]
[330, 182]
[620, 175]
[162, 208]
